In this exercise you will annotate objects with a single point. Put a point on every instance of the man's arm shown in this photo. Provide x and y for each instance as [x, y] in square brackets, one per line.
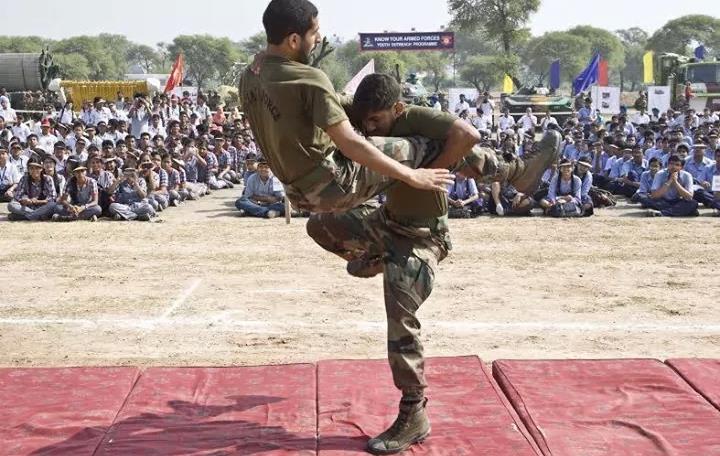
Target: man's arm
[460, 139]
[356, 148]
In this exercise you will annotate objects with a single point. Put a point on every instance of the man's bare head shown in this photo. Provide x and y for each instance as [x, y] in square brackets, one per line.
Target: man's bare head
[292, 28]
[377, 104]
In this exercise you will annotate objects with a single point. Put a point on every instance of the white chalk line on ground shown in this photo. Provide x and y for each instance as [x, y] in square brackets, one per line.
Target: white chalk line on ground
[223, 321]
[180, 300]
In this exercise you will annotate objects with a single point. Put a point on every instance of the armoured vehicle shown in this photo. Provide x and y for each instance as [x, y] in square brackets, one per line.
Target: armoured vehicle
[704, 77]
[540, 100]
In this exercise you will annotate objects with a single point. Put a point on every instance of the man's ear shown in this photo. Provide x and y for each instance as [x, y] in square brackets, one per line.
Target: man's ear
[293, 41]
[398, 109]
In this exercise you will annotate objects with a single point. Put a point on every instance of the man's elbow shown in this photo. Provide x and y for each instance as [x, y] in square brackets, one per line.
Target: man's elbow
[465, 134]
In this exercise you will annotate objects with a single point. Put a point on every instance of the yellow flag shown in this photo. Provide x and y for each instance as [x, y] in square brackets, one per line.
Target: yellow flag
[507, 84]
[648, 77]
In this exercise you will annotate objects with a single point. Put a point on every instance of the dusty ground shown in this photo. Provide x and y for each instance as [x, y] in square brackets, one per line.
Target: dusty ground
[208, 288]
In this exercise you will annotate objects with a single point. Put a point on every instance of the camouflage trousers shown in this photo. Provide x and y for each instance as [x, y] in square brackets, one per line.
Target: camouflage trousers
[339, 184]
[410, 255]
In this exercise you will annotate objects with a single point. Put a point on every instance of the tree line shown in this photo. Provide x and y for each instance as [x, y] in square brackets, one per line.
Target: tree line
[492, 39]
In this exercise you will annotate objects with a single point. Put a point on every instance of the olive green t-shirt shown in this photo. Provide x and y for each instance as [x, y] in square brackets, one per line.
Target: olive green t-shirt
[289, 106]
[406, 201]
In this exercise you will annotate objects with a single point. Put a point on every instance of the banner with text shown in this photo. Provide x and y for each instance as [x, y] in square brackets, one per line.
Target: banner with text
[407, 41]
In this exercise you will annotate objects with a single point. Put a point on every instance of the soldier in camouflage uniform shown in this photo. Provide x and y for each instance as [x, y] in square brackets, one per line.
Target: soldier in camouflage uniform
[301, 126]
[405, 239]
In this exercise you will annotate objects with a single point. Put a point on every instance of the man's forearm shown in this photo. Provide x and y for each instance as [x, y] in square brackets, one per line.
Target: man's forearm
[461, 138]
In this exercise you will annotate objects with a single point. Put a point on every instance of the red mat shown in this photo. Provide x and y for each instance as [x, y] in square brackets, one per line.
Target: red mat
[701, 374]
[59, 411]
[357, 399]
[610, 408]
[266, 410]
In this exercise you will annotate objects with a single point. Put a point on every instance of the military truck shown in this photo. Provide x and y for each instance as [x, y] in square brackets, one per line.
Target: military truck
[540, 100]
[704, 76]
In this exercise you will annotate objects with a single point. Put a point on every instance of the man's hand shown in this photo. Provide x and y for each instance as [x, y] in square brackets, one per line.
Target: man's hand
[674, 177]
[25, 202]
[706, 185]
[431, 179]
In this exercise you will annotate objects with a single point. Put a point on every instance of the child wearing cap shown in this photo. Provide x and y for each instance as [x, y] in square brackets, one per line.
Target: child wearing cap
[80, 199]
[35, 196]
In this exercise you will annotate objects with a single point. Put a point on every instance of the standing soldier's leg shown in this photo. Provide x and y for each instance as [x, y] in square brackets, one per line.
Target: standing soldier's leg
[408, 281]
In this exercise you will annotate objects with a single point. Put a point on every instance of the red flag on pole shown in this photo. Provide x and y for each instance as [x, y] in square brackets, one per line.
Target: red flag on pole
[603, 79]
[176, 74]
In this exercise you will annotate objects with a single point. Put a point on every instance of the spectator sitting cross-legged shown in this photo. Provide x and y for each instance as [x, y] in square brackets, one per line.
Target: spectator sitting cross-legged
[263, 195]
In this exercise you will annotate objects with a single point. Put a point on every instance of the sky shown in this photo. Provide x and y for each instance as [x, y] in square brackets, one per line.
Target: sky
[149, 22]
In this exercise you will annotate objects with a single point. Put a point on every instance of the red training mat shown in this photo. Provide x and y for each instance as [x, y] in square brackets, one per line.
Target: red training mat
[701, 374]
[267, 410]
[633, 407]
[357, 400]
[59, 411]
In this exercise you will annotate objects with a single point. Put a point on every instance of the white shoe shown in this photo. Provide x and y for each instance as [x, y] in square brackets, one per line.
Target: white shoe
[272, 214]
[653, 213]
[500, 210]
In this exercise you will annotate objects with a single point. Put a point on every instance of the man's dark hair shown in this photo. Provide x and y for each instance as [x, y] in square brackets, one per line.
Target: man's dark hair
[285, 17]
[376, 92]
[674, 158]
[653, 161]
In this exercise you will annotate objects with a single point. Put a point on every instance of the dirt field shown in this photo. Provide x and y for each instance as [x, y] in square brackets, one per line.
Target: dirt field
[209, 288]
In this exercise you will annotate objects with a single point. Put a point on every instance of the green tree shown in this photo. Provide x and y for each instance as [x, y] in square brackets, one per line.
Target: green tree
[435, 65]
[117, 48]
[482, 72]
[606, 43]
[678, 34]
[634, 40]
[207, 58]
[72, 66]
[23, 43]
[254, 44]
[499, 21]
[144, 56]
[100, 62]
[572, 50]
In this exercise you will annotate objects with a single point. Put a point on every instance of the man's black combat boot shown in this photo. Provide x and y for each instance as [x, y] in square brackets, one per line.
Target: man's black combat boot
[411, 426]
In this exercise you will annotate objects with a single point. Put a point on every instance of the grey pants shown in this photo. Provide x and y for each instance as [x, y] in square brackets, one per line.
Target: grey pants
[231, 176]
[43, 212]
[159, 201]
[84, 215]
[196, 189]
[216, 184]
[177, 195]
[133, 210]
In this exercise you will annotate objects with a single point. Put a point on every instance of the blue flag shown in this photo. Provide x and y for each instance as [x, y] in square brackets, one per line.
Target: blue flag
[588, 76]
[555, 75]
[700, 52]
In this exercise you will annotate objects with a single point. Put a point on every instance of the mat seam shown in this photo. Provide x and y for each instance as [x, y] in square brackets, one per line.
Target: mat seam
[530, 418]
[317, 408]
[507, 405]
[122, 406]
[692, 385]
